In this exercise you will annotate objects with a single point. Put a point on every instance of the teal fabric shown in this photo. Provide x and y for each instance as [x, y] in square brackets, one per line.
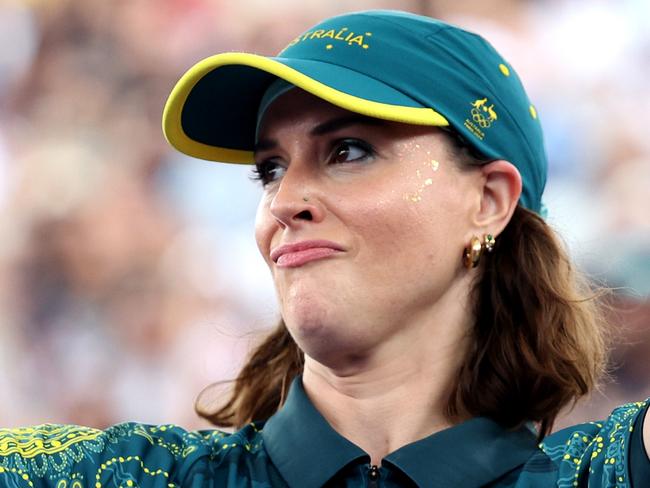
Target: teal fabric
[297, 448]
[395, 58]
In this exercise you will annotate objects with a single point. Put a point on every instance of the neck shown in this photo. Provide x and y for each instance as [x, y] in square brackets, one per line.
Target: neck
[388, 399]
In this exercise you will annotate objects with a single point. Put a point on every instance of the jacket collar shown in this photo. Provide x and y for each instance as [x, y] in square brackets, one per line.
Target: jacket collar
[308, 451]
[473, 453]
[302, 445]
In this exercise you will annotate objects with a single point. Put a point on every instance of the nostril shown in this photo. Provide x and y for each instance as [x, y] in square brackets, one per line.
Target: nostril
[305, 215]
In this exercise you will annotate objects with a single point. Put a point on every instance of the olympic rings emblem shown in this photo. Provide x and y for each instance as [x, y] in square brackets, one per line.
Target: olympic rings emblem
[480, 119]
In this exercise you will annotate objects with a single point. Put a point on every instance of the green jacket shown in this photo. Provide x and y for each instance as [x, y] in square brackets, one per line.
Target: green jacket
[298, 448]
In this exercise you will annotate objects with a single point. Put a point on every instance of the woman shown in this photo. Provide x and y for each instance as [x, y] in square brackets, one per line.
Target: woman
[432, 327]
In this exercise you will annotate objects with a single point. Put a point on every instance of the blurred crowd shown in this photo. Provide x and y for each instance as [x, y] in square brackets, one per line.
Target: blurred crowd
[129, 276]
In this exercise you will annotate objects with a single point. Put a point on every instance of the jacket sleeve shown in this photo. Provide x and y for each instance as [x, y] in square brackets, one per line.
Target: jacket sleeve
[68, 456]
[600, 454]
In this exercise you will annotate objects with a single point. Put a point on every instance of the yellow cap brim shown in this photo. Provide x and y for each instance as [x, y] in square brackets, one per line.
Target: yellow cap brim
[173, 114]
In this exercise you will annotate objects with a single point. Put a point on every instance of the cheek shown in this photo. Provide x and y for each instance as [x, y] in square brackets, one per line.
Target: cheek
[408, 231]
[263, 228]
[387, 228]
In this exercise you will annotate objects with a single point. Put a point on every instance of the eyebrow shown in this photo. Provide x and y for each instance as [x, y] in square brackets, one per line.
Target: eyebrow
[326, 127]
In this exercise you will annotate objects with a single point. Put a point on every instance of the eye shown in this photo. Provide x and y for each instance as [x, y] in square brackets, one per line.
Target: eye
[267, 171]
[351, 150]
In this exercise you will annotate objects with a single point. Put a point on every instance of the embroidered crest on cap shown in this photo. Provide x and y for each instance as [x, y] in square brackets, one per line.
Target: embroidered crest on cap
[483, 116]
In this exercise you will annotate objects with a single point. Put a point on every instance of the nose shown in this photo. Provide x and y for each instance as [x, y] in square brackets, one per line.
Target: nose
[297, 199]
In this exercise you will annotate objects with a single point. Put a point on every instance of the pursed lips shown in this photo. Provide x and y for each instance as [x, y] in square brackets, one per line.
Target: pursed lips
[298, 253]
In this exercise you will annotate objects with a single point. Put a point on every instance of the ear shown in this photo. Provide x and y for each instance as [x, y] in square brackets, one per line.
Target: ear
[500, 194]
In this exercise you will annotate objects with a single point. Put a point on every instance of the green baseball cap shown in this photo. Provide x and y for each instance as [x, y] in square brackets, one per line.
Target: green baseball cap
[386, 64]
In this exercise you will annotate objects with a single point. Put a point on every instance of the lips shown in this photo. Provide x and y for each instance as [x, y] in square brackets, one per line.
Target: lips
[299, 253]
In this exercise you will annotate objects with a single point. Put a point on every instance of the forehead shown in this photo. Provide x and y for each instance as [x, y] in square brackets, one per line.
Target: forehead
[300, 110]
[298, 105]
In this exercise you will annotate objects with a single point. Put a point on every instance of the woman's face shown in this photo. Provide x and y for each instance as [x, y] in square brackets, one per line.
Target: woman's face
[388, 197]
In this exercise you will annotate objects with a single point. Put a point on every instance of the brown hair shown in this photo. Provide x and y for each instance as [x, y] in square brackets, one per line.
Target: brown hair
[538, 343]
[540, 338]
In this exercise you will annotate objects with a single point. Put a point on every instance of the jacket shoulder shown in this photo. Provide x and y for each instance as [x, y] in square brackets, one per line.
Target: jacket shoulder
[128, 454]
[596, 453]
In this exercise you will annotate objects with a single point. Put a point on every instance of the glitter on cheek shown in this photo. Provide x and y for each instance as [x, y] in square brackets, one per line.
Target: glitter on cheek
[412, 197]
[417, 195]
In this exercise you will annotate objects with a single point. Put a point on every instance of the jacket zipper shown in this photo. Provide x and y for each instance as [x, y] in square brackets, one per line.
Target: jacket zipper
[373, 476]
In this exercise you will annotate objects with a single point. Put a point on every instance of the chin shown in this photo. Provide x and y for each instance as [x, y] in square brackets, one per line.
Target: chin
[307, 322]
[305, 309]
[325, 339]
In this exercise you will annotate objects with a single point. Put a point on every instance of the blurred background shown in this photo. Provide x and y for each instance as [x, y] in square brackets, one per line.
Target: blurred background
[129, 277]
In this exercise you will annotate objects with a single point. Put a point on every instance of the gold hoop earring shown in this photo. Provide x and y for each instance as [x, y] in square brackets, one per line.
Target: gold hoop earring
[472, 254]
